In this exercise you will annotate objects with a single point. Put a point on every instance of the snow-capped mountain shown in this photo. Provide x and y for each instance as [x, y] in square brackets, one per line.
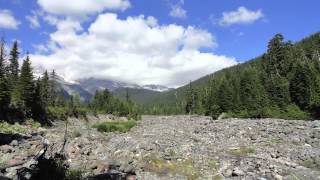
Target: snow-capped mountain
[86, 88]
[93, 84]
[158, 88]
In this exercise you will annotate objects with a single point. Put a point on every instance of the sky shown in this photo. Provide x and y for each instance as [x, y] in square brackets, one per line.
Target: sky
[167, 42]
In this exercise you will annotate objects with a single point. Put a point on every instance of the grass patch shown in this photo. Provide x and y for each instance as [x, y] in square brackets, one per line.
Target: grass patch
[241, 151]
[76, 133]
[33, 123]
[74, 174]
[12, 128]
[115, 126]
[162, 167]
[213, 164]
[275, 141]
[218, 177]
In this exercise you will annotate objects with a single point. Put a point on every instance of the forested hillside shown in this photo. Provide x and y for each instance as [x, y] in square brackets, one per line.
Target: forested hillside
[284, 82]
[44, 99]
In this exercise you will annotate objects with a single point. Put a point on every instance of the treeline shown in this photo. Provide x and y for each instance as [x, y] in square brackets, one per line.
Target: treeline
[21, 95]
[284, 83]
[104, 102]
[24, 96]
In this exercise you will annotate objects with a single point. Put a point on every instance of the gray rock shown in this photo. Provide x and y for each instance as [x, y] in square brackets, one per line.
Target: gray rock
[227, 173]
[237, 172]
[14, 143]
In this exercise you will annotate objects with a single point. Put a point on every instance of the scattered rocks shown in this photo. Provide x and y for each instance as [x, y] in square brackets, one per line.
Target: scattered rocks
[178, 147]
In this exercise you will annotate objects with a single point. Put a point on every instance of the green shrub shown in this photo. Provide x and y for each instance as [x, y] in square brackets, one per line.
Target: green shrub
[294, 112]
[239, 114]
[115, 126]
[241, 151]
[58, 113]
[33, 123]
[78, 112]
[11, 128]
[134, 116]
[291, 112]
[73, 174]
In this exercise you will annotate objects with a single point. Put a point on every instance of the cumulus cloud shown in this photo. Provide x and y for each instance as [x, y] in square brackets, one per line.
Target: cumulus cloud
[177, 11]
[34, 21]
[135, 49]
[81, 7]
[241, 16]
[7, 20]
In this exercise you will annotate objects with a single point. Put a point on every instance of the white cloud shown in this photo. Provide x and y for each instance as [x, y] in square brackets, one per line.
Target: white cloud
[82, 7]
[240, 16]
[34, 21]
[177, 11]
[135, 49]
[7, 20]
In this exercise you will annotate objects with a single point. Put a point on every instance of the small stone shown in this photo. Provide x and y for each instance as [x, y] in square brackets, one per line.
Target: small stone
[14, 143]
[237, 172]
[6, 149]
[296, 140]
[227, 173]
[307, 145]
[277, 177]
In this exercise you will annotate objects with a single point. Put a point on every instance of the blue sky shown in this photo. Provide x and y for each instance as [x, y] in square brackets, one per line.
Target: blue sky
[239, 37]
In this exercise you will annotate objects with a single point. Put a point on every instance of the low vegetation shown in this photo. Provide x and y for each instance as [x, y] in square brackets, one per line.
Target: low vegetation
[115, 126]
[184, 167]
[241, 151]
[11, 128]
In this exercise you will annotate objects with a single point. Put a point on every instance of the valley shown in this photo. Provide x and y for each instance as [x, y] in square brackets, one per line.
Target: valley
[159, 90]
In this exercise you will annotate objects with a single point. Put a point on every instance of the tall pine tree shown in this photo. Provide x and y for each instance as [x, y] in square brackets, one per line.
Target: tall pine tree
[13, 76]
[26, 86]
[14, 64]
[4, 86]
[252, 93]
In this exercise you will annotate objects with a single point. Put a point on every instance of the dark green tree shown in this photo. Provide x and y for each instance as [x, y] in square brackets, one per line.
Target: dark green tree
[54, 96]
[275, 59]
[4, 86]
[39, 108]
[14, 64]
[45, 90]
[225, 96]
[301, 87]
[26, 86]
[191, 99]
[252, 93]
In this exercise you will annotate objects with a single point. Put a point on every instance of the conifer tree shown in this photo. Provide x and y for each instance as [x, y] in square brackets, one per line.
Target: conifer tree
[45, 90]
[39, 111]
[26, 86]
[53, 96]
[253, 96]
[13, 77]
[275, 58]
[4, 86]
[191, 99]
[301, 87]
[14, 64]
[225, 97]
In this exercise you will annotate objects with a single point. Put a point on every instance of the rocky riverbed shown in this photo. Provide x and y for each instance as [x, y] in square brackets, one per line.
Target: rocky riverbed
[177, 147]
